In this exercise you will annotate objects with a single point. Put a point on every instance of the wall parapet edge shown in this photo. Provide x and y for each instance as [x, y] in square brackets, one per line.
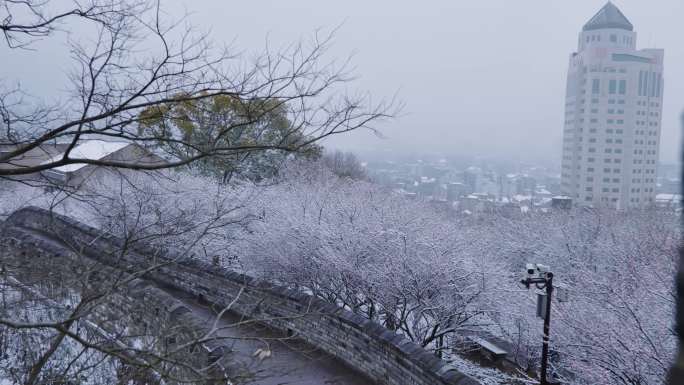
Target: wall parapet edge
[380, 354]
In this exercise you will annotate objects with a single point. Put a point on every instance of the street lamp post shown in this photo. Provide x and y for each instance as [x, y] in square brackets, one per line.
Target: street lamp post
[540, 276]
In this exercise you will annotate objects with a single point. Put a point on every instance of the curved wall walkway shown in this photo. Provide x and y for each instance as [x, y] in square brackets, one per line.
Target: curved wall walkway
[380, 354]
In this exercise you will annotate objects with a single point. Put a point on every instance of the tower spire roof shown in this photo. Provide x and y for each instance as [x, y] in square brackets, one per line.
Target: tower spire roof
[608, 17]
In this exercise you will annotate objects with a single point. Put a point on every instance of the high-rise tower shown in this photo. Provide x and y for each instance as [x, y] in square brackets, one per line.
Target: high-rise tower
[613, 111]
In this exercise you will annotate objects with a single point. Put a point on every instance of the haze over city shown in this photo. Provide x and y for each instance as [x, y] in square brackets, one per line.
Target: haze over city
[480, 77]
[355, 193]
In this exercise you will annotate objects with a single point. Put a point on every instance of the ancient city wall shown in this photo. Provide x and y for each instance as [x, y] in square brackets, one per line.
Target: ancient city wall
[380, 354]
[137, 309]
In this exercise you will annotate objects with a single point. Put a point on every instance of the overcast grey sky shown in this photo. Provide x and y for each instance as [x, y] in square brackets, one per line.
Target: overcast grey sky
[477, 77]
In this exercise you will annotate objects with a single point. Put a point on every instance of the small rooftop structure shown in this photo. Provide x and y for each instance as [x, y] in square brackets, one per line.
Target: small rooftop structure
[490, 350]
[609, 17]
[668, 200]
[75, 174]
[30, 158]
[91, 150]
[668, 197]
[561, 202]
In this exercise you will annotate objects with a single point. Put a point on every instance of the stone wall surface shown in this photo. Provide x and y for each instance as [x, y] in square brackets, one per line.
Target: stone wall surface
[137, 308]
[380, 354]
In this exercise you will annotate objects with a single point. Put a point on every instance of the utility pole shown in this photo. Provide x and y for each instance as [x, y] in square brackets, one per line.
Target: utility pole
[547, 325]
[542, 278]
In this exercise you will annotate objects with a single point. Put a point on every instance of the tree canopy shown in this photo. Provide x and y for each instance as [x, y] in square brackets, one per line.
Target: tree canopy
[248, 138]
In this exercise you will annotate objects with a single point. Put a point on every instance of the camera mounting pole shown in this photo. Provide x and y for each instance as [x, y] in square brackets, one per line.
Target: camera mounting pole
[546, 280]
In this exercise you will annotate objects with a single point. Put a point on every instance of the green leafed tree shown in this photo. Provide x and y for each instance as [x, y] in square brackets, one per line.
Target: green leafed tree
[249, 139]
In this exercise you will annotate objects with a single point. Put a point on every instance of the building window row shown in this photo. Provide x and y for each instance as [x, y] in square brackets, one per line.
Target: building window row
[608, 189]
[615, 170]
[645, 103]
[646, 190]
[650, 133]
[626, 40]
[614, 87]
[617, 86]
[608, 180]
[650, 83]
[645, 171]
[648, 142]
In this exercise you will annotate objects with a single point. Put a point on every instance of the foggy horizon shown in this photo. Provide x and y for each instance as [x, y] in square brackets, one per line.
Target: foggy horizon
[476, 79]
[480, 79]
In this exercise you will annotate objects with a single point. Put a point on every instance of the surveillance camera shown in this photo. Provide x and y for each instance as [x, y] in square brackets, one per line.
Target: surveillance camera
[525, 280]
[543, 268]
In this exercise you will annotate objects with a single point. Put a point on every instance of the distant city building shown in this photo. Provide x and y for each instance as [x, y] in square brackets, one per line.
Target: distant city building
[669, 201]
[613, 111]
[470, 178]
[456, 190]
[427, 187]
[525, 184]
[670, 185]
[561, 202]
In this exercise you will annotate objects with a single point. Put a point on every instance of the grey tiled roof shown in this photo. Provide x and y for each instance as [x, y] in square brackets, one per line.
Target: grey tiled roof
[608, 17]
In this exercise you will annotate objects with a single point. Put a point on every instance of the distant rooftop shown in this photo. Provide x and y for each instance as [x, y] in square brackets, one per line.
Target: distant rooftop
[90, 149]
[608, 17]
